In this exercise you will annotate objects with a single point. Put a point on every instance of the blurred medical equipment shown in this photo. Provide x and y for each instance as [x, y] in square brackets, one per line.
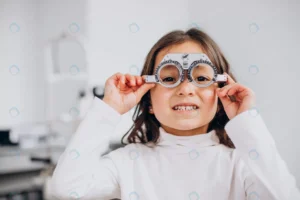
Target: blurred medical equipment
[27, 166]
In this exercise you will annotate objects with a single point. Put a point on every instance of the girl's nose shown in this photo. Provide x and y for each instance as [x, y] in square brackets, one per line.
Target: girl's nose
[186, 88]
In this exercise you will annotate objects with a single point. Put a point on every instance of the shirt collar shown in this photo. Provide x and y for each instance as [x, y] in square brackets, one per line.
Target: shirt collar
[200, 140]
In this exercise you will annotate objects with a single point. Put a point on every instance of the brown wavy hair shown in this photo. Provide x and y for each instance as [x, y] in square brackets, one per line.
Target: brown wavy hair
[146, 126]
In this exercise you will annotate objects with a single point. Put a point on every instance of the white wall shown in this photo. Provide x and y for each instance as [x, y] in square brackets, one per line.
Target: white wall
[114, 46]
[18, 47]
[38, 21]
[273, 48]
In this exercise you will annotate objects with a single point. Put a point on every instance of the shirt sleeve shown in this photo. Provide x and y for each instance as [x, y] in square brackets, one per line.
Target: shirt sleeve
[82, 171]
[268, 176]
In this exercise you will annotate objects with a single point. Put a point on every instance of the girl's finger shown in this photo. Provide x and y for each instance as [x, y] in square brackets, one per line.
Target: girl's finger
[116, 79]
[226, 100]
[138, 80]
[127, 76]
[234, 90]
[131, 79]
[223, 91]
[121, 84]
[229, 79]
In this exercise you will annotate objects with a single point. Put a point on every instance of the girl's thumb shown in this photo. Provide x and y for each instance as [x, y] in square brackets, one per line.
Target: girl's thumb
[143, 89]
[224, 98]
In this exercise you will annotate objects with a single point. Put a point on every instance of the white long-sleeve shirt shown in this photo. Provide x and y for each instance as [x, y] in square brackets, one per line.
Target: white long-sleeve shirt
[179, 167]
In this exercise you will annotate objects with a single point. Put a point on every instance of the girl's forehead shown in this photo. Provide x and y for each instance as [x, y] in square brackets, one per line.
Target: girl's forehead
[186, 47]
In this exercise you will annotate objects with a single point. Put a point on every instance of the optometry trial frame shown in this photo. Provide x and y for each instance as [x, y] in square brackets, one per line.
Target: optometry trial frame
[181, 62]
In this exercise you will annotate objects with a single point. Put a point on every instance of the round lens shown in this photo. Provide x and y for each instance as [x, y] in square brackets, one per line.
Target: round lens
[202, 74]
[169, 74]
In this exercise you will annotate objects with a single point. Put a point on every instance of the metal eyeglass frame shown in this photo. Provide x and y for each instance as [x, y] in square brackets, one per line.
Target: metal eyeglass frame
[185, 61]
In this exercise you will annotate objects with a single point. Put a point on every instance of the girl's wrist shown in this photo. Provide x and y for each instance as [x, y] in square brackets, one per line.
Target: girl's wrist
[111, 104]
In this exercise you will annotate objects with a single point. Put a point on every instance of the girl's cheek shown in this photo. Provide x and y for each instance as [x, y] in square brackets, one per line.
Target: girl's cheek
[209, 93]
[208, 96]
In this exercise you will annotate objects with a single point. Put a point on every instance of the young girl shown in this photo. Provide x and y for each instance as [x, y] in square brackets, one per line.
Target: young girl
[217, 149]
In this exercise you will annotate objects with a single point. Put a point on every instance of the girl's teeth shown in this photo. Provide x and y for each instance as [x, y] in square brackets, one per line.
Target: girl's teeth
[185, 108]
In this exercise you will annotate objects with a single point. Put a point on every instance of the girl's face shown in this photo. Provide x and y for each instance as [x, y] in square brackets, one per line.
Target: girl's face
[164, 99]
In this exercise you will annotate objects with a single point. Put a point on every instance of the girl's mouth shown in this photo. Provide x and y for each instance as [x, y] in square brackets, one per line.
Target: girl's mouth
[185, 108]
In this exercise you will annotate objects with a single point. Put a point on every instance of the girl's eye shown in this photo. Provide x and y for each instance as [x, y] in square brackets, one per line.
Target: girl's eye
[168, 79]
[201, 78]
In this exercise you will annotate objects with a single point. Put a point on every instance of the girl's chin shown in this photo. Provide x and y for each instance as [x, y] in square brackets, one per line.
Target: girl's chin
[184, 126]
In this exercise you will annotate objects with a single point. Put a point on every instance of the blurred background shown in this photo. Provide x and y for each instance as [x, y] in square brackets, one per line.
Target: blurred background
[55, 56]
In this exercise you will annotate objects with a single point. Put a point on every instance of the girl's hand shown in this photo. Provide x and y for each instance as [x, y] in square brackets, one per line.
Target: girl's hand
[123, 92]
[245, 97]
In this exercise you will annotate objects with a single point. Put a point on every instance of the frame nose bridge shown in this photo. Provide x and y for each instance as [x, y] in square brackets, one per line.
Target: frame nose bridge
[185, 76]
